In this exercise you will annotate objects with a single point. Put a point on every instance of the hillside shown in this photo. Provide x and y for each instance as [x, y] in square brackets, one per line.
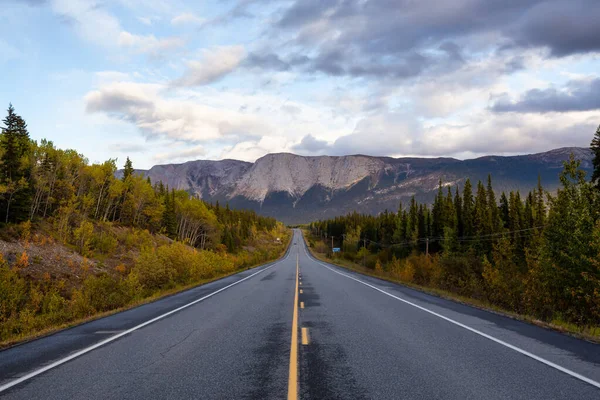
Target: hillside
[299, 189]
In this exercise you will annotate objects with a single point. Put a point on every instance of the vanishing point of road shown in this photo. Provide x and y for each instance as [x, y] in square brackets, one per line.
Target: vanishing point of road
[301, 328]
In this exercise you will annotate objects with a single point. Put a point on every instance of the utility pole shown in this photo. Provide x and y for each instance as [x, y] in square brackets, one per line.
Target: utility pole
[365, 252]
[427, 247]
[331, 244]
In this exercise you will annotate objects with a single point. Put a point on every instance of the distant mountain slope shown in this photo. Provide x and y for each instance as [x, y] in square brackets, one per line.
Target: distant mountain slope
[297, 189]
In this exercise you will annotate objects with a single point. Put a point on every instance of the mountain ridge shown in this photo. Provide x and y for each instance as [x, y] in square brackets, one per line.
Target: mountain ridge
[299, 189]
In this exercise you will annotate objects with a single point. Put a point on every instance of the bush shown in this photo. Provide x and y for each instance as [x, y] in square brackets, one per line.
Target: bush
[104, 293]
[104, 243]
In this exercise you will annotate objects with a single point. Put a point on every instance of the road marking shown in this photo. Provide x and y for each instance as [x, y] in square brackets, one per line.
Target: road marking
[301, 291]
[293, 376]
[126, 332]
[301, 304]
[305, 337]
[485, 335]
[300, 283]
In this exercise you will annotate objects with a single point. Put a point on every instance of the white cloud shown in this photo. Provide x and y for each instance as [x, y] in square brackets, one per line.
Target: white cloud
[172, 118]
[187, 19]
[90, 20]
[149, 44]
[215, 64]
[484, 132]
[252, 150]
[183, 154]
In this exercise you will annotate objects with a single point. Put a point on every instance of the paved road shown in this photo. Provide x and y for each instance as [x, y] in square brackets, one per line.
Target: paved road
[358, 338]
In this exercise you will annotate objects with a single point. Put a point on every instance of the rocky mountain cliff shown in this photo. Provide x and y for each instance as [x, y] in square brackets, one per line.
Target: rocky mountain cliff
[298, 189]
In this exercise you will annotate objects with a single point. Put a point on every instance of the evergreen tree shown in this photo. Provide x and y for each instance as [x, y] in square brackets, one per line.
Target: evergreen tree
[595, 146]
[450, 211]
[439, 207]
[458, 210]
[169, 220]
[539, 208]
[128, 169]
[494, 217]
[468, 206]
[504, 214]
[16, 189]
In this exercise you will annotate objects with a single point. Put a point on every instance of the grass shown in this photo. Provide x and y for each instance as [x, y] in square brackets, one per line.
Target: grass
[18, 340]
[591, 334]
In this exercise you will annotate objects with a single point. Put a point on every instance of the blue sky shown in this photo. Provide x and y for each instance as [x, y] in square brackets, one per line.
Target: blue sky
[181, 80]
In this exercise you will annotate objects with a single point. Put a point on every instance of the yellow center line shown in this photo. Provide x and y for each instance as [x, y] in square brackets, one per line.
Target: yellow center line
[305, 337]
[293, 377]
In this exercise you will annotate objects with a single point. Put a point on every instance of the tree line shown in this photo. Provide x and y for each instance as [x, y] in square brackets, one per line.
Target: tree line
[537, 253]
[38, 180]
[135, 238]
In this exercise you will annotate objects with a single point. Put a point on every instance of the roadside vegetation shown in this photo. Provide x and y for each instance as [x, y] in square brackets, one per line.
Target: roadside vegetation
[536, 255]
[77, 242]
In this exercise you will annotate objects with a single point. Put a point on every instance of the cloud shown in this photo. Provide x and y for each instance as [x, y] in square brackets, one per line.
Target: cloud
[90, 20]
[577, 95]
[149, 44]
[215, 64]
[381, 40]
[311, 145]
[157, 116]
[252, 150]
[566, 27]
[187, 18]
[186, 154]
[93, 22]
[399, 134]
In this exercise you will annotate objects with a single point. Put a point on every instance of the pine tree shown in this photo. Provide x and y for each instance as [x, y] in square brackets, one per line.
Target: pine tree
[16, 188]
[504, 215]
[492, 207]
[127, 169]
[468, 205]
[458, 210]
[539, 208]
[595, 146]
[450, 211]
[169, 220]
[439, 220]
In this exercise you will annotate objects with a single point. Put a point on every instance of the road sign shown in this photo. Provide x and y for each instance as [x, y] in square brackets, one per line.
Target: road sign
[336, 249]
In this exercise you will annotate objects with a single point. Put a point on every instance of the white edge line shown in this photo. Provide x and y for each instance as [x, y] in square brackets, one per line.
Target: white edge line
[126, 332]
[485, 335]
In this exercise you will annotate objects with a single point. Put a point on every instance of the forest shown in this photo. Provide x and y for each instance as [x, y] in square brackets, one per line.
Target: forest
[536, 254]
[134, 239]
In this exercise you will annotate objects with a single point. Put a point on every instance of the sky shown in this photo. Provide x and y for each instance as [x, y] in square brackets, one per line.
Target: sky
[172, 81]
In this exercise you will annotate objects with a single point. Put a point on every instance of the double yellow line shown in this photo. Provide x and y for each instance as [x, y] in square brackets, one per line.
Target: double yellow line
[293, 378]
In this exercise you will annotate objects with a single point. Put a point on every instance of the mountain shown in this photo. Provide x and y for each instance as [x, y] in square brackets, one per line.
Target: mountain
[299, 189]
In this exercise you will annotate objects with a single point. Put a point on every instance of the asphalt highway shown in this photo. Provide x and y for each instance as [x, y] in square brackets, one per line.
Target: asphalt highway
[301, 328]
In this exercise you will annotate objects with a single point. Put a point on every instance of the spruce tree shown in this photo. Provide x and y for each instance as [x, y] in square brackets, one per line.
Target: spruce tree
[127, 169]
[438, 212]
[15, 169]
[595, 147]
[458, 209]
[468, 205]
[504, 210]
[492, 206]
[539, 207]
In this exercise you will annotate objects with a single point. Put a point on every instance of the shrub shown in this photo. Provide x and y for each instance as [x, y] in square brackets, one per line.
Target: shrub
[104, 243]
